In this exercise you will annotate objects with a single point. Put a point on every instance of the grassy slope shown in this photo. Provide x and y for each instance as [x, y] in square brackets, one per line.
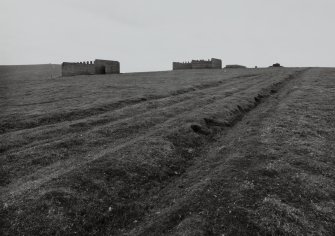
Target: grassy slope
[272, 174]
[154, 153]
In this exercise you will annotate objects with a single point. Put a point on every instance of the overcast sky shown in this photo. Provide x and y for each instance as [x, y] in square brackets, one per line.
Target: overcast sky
[146, 35]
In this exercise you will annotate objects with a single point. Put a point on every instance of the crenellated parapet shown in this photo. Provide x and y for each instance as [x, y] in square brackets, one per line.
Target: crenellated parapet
[201, 64]
[90, 67]
[78, 68]
[198, 64]
[182, 65]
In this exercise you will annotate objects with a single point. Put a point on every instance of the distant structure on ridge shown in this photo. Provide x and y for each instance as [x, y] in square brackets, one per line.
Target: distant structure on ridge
[198, 64]
[235, 67]
[89, 68]
[276, 65]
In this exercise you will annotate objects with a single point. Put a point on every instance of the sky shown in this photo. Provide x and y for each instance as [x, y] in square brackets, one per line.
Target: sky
[148, 35]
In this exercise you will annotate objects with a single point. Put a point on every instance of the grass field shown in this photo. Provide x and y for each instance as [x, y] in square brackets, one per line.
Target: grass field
[198, 152]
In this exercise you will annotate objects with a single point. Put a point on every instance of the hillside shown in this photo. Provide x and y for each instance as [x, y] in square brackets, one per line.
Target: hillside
[198, 152]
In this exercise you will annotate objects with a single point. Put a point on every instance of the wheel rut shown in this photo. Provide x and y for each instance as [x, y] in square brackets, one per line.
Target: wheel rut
[62, 167]
[209, 164]
[75, 115]
[130, 113]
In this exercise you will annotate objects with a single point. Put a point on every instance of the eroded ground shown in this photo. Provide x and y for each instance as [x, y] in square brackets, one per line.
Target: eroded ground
[203, 152]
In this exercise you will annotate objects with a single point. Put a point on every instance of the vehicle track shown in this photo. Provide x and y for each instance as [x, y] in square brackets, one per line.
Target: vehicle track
[118, 131]
[61, 168]
[85, 113]
[177, 204]
[134, 111]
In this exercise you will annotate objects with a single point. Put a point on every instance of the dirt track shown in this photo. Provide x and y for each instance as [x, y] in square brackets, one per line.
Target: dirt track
[239, 152]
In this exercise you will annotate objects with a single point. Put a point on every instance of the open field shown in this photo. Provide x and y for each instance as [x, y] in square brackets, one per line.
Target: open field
[198, 152]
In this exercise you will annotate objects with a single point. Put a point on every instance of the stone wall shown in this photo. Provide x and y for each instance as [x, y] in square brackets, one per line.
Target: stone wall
[90, 68]
[216, 63]
[79, 68]
[201, 64]
[182, 65]
[198, 64]
[107, 67]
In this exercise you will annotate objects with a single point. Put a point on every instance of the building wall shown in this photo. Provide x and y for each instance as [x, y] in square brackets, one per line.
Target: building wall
[80, 68]
[182, 65]
[109, 67]
[88, 68]
[201, 64]
[216, 63]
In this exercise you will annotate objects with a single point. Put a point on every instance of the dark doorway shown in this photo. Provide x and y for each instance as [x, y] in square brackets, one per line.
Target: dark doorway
[100, 70]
